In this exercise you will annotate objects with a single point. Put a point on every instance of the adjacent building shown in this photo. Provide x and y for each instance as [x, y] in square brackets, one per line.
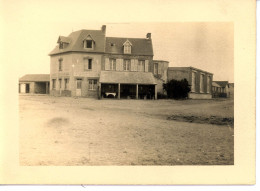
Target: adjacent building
[200, 81]
[34, 84]
[88, 64]
[223, 89]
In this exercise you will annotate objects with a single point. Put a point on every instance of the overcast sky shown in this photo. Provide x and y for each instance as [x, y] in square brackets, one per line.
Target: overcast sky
[32, 29]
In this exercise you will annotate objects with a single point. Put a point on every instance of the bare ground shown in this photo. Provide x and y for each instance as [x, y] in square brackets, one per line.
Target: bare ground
[69, 131]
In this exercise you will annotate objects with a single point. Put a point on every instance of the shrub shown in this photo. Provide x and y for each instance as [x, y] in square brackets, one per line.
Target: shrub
[177, 89]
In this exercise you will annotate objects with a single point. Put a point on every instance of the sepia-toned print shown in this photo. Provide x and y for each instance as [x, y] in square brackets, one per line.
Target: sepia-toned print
[131, 94]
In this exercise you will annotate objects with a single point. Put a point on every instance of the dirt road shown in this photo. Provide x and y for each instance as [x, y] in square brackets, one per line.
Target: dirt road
[83, 131]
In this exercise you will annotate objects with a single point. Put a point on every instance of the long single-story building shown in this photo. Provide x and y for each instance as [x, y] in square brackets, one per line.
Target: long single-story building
[34, 84]
[200, 81]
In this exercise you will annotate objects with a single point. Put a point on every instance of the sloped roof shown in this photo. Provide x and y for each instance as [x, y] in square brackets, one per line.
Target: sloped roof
[127, 77]
[76, 42]
[215, 84]
[222, 83]
[63, 39]
[35, 78]
[140, 46]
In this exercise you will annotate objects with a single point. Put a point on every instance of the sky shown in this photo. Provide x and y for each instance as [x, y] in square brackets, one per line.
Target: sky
[31, 30]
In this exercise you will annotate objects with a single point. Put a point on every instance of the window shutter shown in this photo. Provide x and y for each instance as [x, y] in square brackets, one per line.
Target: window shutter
[117, 64]
[107, 66]
[159, 69]
[136, 65]
[146, 65]
[132, 65]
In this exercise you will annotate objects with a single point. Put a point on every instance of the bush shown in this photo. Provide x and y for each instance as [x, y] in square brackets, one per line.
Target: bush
[177, 89]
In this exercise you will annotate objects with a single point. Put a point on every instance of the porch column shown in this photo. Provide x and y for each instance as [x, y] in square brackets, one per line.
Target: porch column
[155, 91]
[47, 88]
[118, 91]
[99, 90]
[136, 91]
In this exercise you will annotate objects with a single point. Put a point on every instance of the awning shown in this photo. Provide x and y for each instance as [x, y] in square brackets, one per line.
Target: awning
[115, 77]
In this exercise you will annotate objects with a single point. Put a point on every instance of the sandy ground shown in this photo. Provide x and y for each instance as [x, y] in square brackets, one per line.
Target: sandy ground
[84, 131]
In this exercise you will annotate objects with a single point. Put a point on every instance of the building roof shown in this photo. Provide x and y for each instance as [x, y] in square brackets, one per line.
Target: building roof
[75, 42]
[160, 61]
[140, 46]
[35, 78]
[188, 68]
[215, 84]
[221, 83]
[127, 77]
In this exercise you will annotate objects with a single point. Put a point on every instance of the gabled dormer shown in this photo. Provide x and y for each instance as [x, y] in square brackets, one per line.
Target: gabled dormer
[88, 43]
[127, 47]
[63, 42]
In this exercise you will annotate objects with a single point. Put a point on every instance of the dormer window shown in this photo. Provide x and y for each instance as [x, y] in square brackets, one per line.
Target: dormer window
[61, 45]
[127, 47]
[88, 42]
[63, 42]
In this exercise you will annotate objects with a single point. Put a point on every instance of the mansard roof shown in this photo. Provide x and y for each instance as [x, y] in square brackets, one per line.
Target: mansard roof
[76, 42]
[111, 45]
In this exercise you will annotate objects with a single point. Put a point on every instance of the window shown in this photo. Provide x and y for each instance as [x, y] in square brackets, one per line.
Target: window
[127, 47]
[208, 84]
[112, 63]
[193, 84]
[60, 83]
[60, 64]
[126, 65]
[141, 66]
[61, 45]
[79, 82]
[89, 43]
[156, 68]
[92, 84]
[202, 83]
[87, 64]
[66, 84]
[53, 84]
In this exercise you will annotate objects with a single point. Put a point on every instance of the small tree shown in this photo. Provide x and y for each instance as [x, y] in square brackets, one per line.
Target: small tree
[177, 89]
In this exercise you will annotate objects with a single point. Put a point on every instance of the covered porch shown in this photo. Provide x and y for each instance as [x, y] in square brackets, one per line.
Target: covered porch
[127, 85]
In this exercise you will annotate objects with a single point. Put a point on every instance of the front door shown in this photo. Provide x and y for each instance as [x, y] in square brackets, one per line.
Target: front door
[78, 87]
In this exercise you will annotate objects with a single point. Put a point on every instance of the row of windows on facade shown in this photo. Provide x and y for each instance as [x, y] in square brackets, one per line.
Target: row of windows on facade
[89, 44]
[202, 77]
[92, 84]
[112, 65]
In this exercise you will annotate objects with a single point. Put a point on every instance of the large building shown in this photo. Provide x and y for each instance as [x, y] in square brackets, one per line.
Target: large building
[88, 64]
[200, 81]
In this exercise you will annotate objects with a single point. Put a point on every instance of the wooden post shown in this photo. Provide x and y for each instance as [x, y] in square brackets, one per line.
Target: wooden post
[118, 91]
[136, 91]
[155, 91]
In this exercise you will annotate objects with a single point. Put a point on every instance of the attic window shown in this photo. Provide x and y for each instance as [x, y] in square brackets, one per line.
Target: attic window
[88, 42]
[127, 47]
[61, 45]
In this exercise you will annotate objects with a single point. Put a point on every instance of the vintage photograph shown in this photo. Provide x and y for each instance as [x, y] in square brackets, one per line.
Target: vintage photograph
[128, 94]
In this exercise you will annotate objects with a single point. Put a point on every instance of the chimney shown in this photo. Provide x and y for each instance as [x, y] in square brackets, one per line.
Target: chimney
[103, 29]
[148, 36]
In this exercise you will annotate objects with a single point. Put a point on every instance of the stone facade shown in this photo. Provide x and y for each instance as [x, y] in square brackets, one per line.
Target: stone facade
[78, 60]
